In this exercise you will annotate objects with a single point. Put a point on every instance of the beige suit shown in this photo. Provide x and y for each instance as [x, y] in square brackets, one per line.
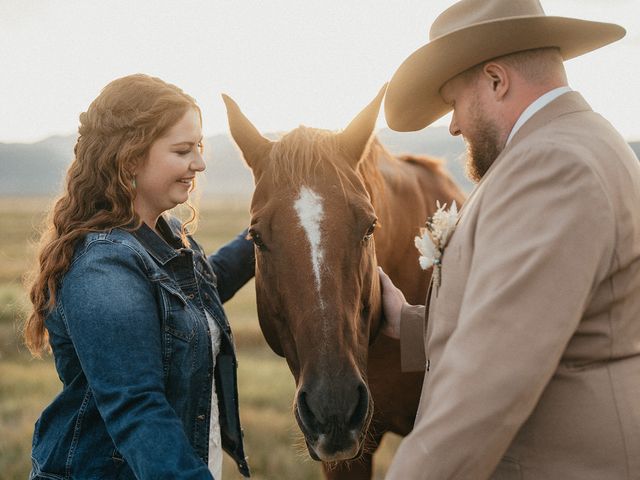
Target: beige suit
[533, 342]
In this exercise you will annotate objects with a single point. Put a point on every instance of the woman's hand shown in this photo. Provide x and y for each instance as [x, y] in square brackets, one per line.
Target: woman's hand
[392, 302]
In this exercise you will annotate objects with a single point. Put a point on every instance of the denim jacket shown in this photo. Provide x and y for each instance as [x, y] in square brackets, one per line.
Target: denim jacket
[131, 346]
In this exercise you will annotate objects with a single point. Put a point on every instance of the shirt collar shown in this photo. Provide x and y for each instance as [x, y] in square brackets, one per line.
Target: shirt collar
[535, 106]
[163, 249]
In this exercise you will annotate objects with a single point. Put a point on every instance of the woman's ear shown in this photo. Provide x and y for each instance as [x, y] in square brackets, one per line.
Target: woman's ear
[131, 168]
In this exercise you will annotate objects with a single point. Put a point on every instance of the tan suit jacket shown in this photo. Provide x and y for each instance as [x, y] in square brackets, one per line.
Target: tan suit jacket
[533, 339]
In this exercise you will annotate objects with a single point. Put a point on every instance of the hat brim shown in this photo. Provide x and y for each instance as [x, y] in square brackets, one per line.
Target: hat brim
[413, 100]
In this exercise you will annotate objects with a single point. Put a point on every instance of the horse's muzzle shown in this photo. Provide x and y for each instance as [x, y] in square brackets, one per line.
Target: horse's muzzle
[334, 422]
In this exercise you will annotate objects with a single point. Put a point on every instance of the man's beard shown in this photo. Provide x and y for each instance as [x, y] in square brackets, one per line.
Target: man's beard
[483, 148]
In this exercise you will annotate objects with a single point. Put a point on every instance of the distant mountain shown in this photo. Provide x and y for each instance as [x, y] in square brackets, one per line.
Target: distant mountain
[35, 168]
[38, 168]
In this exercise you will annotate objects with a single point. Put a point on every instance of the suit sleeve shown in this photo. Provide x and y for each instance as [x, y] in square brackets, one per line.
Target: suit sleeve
[544, 239]
[110, 312]
[412, 354]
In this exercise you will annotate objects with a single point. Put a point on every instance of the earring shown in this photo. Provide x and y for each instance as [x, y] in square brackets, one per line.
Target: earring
[133, 182]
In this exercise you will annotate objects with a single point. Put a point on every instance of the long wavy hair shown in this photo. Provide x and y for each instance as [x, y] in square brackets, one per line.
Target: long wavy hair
[114, 137]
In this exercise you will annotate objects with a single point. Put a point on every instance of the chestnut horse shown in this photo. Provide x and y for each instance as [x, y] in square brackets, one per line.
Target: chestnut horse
[327, 209]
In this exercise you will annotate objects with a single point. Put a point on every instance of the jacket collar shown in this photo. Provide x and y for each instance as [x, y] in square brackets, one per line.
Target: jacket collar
[163, 248]
[535, 106]
[568, 103]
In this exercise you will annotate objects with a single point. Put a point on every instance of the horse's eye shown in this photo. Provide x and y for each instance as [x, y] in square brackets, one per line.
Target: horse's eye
[369, 233]
[257, 239]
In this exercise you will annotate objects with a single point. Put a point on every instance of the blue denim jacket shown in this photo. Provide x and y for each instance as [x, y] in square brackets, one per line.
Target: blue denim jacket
[131, 346]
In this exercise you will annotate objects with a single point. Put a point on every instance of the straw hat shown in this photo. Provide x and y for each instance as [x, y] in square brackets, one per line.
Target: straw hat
[471, 32]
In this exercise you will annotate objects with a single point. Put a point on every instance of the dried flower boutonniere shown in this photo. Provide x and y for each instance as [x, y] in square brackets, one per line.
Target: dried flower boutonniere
[433, 238]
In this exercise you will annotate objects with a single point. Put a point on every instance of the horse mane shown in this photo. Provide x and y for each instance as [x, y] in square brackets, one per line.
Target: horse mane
[435, 165]
[306, 152]
[299, 154]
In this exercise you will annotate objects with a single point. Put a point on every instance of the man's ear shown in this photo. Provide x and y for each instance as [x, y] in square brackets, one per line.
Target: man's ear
[497, 77]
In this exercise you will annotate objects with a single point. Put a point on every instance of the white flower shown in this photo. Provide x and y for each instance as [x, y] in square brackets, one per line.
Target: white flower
[434, 237]
[427, 249]
[443, 223]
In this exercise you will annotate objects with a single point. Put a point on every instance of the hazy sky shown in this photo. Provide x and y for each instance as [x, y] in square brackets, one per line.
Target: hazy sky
[286, 62]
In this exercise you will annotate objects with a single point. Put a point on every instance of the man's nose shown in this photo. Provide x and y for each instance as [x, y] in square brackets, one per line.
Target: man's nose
[453, 126]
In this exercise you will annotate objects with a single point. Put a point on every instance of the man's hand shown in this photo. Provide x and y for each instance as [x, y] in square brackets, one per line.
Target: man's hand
[392, 302]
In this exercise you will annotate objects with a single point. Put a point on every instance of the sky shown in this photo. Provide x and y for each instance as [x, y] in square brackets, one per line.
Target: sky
[286, 62]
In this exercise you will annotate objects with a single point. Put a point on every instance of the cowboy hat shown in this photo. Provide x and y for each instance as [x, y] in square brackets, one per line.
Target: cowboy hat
[471, 32]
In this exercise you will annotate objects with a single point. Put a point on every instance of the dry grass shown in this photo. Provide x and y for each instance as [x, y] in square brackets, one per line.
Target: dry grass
[273, 440]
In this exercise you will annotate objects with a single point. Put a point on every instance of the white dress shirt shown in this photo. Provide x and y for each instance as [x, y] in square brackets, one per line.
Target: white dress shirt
[215, 443]
[535, 106]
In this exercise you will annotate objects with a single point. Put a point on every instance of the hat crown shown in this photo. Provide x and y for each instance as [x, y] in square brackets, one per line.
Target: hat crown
[466, 13]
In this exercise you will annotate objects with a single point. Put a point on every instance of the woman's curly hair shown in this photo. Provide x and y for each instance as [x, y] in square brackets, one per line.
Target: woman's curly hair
[114, 137]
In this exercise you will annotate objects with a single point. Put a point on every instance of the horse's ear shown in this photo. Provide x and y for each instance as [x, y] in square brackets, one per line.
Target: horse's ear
[356, 136]
[246, 136]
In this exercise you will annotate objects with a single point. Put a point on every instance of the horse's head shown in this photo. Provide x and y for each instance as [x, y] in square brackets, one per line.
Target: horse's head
[317, 289]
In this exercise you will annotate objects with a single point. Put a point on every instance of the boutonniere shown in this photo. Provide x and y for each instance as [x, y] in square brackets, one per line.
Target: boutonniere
[433, 238]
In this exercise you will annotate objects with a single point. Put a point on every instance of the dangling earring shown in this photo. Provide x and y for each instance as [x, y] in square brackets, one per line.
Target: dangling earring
[133, 182]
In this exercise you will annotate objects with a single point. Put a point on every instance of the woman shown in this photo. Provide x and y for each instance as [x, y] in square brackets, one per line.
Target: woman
[129, 304]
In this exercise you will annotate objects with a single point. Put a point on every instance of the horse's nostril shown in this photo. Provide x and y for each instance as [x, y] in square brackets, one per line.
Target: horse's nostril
[334, 411]
[306, 414]
[362, 407]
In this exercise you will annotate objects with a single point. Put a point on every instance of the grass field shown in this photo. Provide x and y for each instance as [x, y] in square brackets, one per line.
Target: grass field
[273, 442]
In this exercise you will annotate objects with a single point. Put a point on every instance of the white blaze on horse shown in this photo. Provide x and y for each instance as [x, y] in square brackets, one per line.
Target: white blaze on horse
[308, 206]
[327, 209]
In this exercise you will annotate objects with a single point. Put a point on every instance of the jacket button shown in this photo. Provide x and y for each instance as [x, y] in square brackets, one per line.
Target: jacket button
[190, 296]
[200, 417]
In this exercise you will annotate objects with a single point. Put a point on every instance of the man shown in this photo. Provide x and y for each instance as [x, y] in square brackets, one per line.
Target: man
[533, 334]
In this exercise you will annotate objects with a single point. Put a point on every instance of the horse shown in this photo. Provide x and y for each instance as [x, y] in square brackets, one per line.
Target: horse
[327, 208]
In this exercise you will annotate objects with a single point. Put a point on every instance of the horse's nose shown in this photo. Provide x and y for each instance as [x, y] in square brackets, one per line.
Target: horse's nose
[334, 410]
